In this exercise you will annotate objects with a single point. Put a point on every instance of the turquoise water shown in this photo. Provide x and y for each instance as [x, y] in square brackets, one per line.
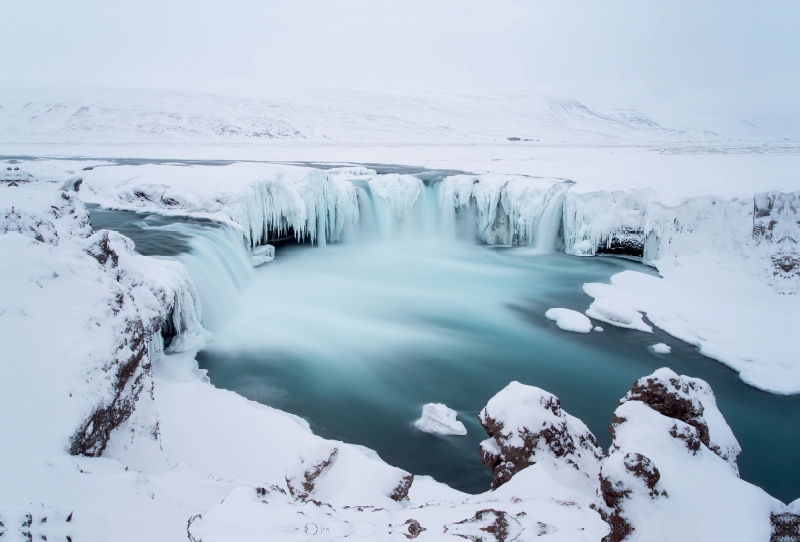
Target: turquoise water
[356, 338]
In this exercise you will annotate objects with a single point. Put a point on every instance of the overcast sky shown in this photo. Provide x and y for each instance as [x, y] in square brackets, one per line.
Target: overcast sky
[736, 59]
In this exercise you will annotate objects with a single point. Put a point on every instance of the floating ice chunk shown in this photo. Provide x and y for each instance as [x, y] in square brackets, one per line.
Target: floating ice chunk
[598, 328]
[617, 313]
[661, 348]
[438, 419]
[262, 254]
[570, 320]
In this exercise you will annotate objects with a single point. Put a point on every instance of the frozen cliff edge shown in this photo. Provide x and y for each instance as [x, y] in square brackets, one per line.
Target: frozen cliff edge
[263, 201]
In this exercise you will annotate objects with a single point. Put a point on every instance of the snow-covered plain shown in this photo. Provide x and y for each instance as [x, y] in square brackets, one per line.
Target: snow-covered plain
[104, 429]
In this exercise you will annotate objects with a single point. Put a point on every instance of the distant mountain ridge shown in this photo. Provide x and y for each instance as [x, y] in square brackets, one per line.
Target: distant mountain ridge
[153, 116]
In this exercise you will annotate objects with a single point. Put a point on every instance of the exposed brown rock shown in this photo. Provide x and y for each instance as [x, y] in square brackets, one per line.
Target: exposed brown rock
[670, 402]
[401, 491]
[302, 488]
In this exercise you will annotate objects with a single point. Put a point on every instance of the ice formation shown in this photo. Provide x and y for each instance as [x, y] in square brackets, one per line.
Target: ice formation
[661, 348]
[509, 210]
[614, 311]
[439, 419]
[263, 201]
[569, 320]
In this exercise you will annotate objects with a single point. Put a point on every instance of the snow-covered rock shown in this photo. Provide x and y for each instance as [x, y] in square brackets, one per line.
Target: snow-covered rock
[671, 469]
[569, 320]
[439, 419]
[526, 425]
[103, 307]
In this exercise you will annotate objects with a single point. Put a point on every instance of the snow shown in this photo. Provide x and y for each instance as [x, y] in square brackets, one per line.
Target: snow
[569, 320]
[731, 316]
[308, 115]
[661, 348]
[613, 311]
[438, 419]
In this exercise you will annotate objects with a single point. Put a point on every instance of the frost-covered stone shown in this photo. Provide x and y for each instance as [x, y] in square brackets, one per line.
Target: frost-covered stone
[691, 401]
[526, 425]
[569, 320]
[673, 456]
[439, 419]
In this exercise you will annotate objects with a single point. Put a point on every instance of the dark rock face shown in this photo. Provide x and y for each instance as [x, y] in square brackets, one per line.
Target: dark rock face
[623, 478]
[414, 529]
[785, 527]
[526, 424]
[486, 526]
[302, 487]
[401, 491]
[130, 365]
[683, 399]
[671, 398]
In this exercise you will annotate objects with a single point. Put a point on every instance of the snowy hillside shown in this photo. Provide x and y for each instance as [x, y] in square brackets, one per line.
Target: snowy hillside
[334, 116]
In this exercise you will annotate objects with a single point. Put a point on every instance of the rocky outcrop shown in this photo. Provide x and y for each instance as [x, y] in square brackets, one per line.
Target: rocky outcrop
[526, 425]
[624, 477]
[673, 455]
[339, 474]
[691, 401]
[46, 216]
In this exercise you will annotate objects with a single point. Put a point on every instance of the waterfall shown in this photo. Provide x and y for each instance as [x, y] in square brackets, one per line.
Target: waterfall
[548, 227]
[220, 268]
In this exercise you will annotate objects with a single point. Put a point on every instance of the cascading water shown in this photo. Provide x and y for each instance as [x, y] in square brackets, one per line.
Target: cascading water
[212, 253]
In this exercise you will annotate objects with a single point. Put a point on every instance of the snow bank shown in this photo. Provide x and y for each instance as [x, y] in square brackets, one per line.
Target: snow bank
[439, 419]
[730, 315]
[569, 320]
